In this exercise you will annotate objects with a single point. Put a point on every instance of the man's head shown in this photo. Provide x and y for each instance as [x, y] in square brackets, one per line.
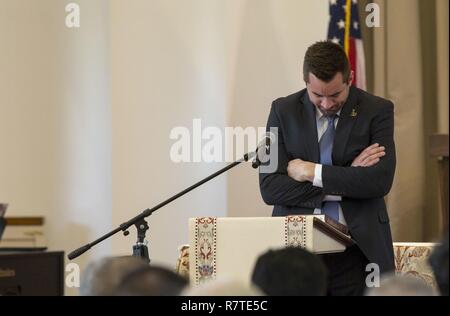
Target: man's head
[151, 281]
[401, 285]
[223, 287]
[101, 277]
[290, 271]
[328, 76]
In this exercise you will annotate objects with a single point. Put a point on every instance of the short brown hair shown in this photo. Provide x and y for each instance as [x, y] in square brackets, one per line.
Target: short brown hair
[324, 60]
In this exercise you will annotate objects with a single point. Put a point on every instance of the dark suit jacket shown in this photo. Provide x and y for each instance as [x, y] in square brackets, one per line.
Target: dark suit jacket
[364, 120]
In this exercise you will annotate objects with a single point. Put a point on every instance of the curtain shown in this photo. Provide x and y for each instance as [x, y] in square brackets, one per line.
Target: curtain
[407, 62]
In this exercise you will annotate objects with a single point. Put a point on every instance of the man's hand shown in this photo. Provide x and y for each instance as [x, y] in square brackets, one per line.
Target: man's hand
[369, 156]
[301, 171]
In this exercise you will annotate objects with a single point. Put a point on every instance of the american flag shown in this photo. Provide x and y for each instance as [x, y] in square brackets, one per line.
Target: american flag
[344, 29]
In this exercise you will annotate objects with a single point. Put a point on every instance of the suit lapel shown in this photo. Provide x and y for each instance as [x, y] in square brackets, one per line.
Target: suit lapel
[347, 119]
[308, 129]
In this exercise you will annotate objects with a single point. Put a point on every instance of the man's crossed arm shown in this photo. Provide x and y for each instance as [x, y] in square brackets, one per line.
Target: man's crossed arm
[295, 188]
[369, 176]
[304, 171]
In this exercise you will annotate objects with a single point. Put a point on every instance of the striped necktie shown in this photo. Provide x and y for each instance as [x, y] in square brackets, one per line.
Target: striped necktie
[330, 209]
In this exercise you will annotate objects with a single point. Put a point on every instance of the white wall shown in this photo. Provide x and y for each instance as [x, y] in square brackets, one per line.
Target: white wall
[167, 69]
[55, 120]
[85, 114]
[173, 61]
[273, 39]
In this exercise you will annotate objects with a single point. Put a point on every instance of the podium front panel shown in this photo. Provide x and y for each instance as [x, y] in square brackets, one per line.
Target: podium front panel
[229, 247]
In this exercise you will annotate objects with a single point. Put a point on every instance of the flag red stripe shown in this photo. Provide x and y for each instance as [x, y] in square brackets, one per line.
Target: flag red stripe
[353, 58]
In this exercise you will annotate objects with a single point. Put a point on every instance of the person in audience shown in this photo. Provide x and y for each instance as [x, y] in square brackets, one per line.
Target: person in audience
[290, 271]
[151, 281]
[103, 276]
[223, 287]
[439, 263]
[401, 285]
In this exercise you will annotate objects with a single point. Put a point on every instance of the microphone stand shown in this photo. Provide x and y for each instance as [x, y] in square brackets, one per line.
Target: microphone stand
[140, 249]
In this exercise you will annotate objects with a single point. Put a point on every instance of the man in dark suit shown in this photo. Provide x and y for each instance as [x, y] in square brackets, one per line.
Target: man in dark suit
[336, 156]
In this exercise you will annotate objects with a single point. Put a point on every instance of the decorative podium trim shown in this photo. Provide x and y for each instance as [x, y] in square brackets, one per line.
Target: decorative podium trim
[205, 249]
[295, 231]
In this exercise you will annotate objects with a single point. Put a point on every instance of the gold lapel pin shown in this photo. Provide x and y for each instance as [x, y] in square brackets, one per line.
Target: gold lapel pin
[354, 113]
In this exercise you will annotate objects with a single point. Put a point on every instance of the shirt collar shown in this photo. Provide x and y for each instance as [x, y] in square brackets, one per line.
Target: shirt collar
[319, 115]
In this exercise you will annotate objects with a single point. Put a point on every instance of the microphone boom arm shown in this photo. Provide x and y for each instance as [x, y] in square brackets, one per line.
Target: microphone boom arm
[140, 249]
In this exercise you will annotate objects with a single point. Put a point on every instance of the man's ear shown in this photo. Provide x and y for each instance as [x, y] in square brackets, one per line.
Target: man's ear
[306, 79]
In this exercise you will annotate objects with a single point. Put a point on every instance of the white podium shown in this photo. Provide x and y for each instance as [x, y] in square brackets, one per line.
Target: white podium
[229, 247]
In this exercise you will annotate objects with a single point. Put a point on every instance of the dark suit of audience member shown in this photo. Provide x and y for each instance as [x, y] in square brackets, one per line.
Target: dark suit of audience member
[151, 281]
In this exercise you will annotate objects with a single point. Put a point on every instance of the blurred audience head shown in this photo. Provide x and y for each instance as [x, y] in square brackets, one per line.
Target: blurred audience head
[103, 276]
[151, 281]
[401, 285]
[290, 271]
[223, 287]
[439, 263]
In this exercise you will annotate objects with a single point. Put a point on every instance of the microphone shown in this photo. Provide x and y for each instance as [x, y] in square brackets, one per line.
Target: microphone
[263, 150]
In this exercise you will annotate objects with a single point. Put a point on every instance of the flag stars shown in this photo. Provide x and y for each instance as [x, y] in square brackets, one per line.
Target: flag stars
[335, 40]
[355, 1]
[341, 24]
[333, 2]
[355, 25]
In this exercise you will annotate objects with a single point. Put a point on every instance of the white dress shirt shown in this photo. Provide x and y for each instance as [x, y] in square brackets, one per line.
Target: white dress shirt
[322, 125]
